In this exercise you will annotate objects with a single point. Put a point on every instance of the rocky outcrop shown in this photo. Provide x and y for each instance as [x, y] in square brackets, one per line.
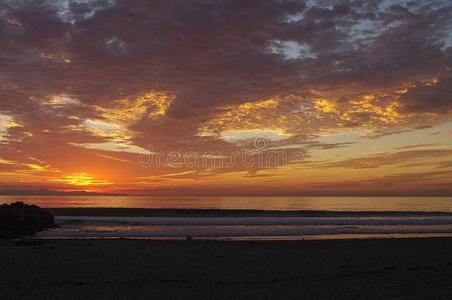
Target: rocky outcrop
[19, 219]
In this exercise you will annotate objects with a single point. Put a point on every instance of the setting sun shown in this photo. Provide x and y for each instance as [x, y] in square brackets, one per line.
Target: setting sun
[82, 179]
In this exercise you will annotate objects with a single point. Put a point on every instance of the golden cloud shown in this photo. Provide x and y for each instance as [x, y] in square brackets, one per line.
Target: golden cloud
[152, 104]
[113, 123]
[375, 113]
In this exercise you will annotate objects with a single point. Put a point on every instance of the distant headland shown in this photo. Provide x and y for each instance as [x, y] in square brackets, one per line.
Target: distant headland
[47, 192]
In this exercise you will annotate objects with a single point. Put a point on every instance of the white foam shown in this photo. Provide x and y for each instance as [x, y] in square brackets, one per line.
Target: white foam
[236, 226]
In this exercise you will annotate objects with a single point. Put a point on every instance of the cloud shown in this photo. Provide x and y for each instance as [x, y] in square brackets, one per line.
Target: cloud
[199, 52]
[409, 147]
[433, 97]
[98, 76]
[387, 159]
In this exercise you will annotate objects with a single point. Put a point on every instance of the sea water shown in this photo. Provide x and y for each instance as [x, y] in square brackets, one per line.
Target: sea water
[247, 217]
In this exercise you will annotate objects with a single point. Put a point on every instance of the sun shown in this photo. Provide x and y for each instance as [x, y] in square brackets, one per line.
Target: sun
[82, 179]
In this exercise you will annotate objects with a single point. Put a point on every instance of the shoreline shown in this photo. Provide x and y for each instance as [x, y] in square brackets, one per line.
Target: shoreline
[326, 237]
[414, 268]
[246, 224]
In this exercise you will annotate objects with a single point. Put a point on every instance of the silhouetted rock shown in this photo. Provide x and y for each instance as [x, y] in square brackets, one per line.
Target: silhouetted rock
[18, 219]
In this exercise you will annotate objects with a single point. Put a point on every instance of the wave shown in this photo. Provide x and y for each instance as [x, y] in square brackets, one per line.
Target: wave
[246, 226]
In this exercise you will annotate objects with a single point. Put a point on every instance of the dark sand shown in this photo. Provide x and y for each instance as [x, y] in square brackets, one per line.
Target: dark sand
[140, 269]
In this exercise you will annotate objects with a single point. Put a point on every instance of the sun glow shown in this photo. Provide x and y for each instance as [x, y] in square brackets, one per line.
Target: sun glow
[82, 179]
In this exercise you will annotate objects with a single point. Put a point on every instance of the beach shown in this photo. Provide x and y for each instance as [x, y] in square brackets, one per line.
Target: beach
[149, 269]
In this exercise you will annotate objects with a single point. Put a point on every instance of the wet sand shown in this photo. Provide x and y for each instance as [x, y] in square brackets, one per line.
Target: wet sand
[143, 269]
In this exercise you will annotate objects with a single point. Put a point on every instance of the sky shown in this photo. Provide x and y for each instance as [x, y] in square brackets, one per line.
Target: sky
[227, 97]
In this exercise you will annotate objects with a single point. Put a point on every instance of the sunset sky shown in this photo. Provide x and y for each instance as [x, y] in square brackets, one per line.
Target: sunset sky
[91, 89]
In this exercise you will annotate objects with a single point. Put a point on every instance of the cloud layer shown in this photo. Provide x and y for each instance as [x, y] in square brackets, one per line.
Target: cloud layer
[101, 80]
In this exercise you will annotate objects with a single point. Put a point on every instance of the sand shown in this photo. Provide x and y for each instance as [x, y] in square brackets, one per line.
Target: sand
[143, 269]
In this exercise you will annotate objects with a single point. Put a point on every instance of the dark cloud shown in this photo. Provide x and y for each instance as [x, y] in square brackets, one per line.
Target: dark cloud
[432, 98]
[209, 53]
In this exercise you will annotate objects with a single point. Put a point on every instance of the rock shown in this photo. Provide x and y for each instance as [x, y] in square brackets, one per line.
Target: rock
[19, 219]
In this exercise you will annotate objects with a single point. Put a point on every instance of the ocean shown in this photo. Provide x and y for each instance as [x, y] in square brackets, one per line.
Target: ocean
[244, 218]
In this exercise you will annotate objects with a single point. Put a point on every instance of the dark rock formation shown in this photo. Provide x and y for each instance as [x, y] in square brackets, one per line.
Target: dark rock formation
[19, 219]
